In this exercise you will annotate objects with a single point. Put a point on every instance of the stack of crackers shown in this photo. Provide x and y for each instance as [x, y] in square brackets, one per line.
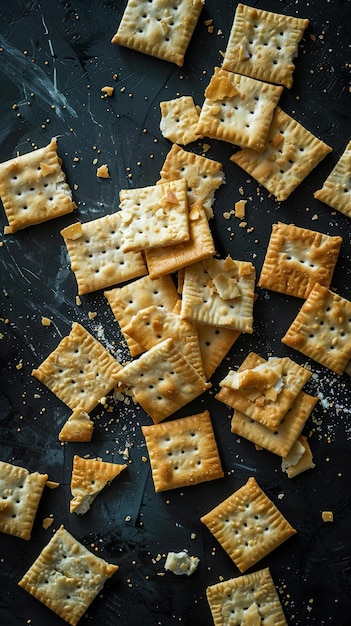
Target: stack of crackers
[181, 308]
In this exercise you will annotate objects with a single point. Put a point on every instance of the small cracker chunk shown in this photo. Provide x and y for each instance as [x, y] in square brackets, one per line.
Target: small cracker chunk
[79, 371]
[336, 190]
[33, 188]
[267, 409]
[179, 119]
[238, 109]
[263, 44]
[66, 577]
[162, 29]
[154, 216]
[152, 325]
[200, 246]
[220, 292]
[298, 258]
[20, 494]
[203, 175]
[181, 563]
[183, 452]
[281, 440]
[89, 477]
[97, 259]
[322, 329]
[215, 342]
[126, 301]
[103, 171]
[248, 525]
[162, 380]
[78, 427]
[237, 596]
[291, 153]
[299, 458]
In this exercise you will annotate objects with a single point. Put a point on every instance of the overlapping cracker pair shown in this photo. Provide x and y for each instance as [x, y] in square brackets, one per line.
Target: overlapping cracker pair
[270, 408]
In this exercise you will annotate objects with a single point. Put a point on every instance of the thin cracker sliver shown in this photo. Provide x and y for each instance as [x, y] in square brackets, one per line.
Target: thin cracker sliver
[336, 190]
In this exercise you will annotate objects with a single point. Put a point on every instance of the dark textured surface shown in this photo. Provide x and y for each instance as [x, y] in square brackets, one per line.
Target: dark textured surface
[61, 52]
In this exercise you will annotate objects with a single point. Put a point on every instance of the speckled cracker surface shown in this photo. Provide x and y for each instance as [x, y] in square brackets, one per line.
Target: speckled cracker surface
[126, 301]
[89, 477]
[179, 120]
[248, 525]
[238, 109]
[288, 430]
[298, 258]
[204, 302]
[20, 493]
[154, 216]
[170, 259]
[203, 175]
[79, 371]
[66, 577]
[95, 251]
[162, 28]
[33, 188]
[336, 190]
[263, 44]
[183, 452]
[162, 380]
[322, 329]
[291, 153]
[268, 412]
[232, 599]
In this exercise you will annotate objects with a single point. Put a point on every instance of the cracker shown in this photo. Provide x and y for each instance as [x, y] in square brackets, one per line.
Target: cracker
[162, 29]
[95, 251]
[295, 467]
[202, 302]
[238, 109]
[270, 412]
[79, 371]
[183, 452]
[248, 525]
[179, 119]
[336, 190]
[232, 599]
[78, 427]
[291, 153]
[152, 325]
[126, 301]
[154, 216]
[169, 259]
[20, 494]
[89, 477]
[215, 343]
[33, 188]
[203, 175]
[162, 380]
[288, 430]
[263, 44]
[322, 329]
[66, 577]
[297, 258]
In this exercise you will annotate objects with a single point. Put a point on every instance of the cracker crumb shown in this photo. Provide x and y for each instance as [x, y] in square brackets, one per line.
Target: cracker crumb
[45, 321]
[92, 315]
[78, 301]
[47, 521]
[327, 516]
[102, 171]
[239, 209]
[108, 91]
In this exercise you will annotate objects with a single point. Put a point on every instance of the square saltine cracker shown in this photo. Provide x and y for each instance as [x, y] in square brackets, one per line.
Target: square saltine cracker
[248, 525]
[183, 452]
[291, 153]
[263, 44]
[322, 329]
[79, 371]
[66, 576]
[238, 109]
[236, 596]
[298, 258]
[33, 188]
[162, 29]
[95, 251]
